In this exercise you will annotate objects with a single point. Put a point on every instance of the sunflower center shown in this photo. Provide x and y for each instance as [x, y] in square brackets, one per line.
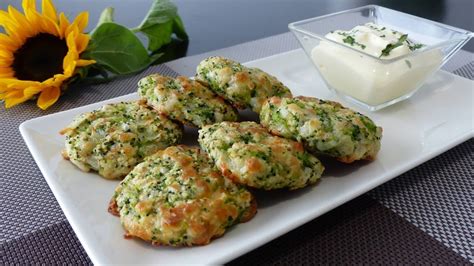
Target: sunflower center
[40, 57]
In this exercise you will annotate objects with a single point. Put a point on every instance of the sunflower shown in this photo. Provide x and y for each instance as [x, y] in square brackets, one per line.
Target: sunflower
[39, 53]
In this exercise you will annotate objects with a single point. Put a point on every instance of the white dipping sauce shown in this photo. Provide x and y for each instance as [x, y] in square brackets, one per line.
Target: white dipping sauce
[373, 80]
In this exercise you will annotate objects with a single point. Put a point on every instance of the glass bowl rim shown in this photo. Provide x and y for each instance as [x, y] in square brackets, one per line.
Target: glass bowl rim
[295, 27]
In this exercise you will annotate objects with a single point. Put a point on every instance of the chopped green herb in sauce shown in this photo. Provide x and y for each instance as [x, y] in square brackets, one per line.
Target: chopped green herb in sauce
[416, 46]
[350, 40]
[408, 63]
[391, 46]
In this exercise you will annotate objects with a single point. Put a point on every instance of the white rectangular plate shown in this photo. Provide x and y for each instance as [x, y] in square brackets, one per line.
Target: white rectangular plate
[439, 117]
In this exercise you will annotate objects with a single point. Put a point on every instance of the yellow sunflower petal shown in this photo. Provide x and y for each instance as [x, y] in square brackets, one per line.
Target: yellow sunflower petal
[42, 24]
[50, 26]
[17, 38]
[19, 84]
[63, 25]
[7, 22]
[3, 91]
[21, 20]
[16, 15]
[82, 20]
[71, 39]
[79, 24]
[69, 64]
[15, 98]
[49, 10]
[6, 54]
[82, 62]
[4, 70]
[7, 42]
[10, 102]
[7, 48]
[33, 17]
[4, 66]
[29, 7]
[48, 97]
[5, 61]
[55, 81]
[12, 28]
[81, 42]
[12, 94]
[32, 90]
[5, 74]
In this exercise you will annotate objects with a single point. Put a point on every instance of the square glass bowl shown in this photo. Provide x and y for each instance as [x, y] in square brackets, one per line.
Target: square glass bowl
[367, 80]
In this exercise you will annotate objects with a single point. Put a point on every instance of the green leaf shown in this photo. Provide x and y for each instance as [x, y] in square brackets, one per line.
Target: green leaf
[178, 28]
[158, 35]
[107, 15]
[117, 49]
[160, 23]
[95, 71]
[174, 49]
[79, 74]
[161, 11]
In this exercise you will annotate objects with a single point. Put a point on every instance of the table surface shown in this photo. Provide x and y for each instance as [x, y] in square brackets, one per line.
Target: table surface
[216, 24]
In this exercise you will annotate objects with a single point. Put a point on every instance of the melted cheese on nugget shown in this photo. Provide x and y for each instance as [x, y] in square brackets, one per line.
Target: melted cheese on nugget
[177, 197]
[242, 86]
[185, 100]
[248, 154]
[324, 127]
[113, 139]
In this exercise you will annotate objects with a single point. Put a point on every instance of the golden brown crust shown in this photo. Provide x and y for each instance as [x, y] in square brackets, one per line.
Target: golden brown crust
[316, 100]
[64, 154]
[274, 100]
[185, 100]
[351, 159]
[244, 87]
[113, 208]
[248, 154]
[114, 138]
[346, 159]
[227, 173]
[325, 127]
[188, 204]
[251, 211]
[64, 130]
